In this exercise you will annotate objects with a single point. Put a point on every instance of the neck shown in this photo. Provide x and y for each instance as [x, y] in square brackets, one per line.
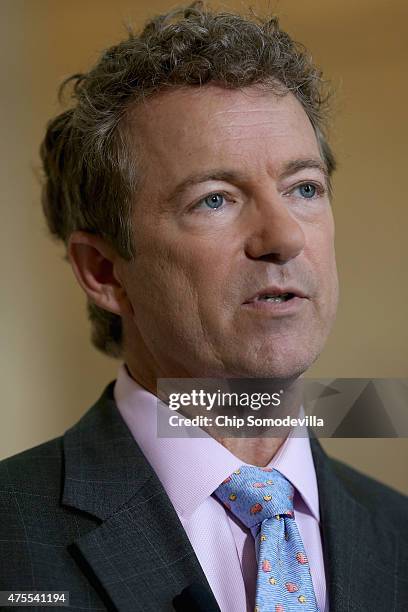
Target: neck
[255, 451]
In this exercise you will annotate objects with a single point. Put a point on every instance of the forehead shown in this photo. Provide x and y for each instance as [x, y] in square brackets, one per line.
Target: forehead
[183, 129]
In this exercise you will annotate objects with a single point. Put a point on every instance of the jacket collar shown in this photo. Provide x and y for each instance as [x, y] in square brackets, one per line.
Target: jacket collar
[104, 467]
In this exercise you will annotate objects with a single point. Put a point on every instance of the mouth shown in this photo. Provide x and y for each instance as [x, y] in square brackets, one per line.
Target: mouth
[277, 302]
[276, 295]
[277, 299]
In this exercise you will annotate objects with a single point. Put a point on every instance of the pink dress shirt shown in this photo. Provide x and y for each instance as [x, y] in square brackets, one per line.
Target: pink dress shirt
[223, 546]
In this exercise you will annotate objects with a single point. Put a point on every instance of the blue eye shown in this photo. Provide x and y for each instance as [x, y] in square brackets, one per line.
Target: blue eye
[308, 190]
[214, 201]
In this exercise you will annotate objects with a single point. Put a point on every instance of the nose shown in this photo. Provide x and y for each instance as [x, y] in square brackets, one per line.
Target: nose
[274, 233]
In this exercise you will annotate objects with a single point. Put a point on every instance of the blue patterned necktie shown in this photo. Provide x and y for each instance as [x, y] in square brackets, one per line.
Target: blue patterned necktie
[262, 499]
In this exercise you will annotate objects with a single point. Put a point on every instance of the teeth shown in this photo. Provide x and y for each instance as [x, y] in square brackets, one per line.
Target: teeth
[277, 298]
[274, 298]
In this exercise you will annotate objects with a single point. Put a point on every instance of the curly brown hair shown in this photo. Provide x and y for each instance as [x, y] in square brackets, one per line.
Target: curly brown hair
[91, 178]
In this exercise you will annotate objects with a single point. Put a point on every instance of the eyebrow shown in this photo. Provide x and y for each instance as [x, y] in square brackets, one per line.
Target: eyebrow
[301, 164]
[231, 176]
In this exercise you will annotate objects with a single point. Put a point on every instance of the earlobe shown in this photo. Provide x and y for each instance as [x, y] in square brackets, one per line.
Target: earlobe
[93, 263]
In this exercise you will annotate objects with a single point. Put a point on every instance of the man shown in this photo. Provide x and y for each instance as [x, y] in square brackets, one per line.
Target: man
[191, 185]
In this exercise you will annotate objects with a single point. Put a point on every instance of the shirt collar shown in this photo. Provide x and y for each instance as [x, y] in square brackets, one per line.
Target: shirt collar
[199, 465]
[295, 461]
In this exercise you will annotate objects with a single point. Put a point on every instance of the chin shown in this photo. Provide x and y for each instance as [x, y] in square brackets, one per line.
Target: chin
[281, 371]
[285, 365]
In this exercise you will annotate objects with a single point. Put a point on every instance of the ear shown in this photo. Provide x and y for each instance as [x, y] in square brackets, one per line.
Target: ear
[95, 264]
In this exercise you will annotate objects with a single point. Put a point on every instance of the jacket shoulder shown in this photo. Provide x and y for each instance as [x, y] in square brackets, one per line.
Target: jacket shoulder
[36, 471]
[374, 495]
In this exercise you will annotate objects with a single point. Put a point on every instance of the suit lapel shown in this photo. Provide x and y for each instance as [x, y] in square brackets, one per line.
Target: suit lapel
[360, 548]
[139, 556]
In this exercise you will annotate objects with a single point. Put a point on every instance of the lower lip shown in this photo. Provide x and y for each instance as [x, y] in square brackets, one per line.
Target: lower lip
[276, 308]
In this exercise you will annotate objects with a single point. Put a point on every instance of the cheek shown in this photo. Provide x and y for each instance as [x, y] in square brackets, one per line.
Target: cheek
[162, 284]
[200, 262]
[321, 255]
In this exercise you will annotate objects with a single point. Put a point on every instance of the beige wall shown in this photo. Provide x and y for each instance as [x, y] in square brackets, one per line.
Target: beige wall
[50, 373]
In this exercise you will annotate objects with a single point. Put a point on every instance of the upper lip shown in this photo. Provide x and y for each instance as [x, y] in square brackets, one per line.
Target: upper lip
[275, 290]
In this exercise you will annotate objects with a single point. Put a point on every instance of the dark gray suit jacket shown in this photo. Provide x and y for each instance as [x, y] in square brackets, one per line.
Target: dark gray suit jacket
[85, 513]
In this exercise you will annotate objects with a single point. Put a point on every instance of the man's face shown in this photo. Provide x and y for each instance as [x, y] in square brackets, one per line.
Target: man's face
[233, 206]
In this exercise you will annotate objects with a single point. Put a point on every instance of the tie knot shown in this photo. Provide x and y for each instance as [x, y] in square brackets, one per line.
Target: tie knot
[253, 494]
